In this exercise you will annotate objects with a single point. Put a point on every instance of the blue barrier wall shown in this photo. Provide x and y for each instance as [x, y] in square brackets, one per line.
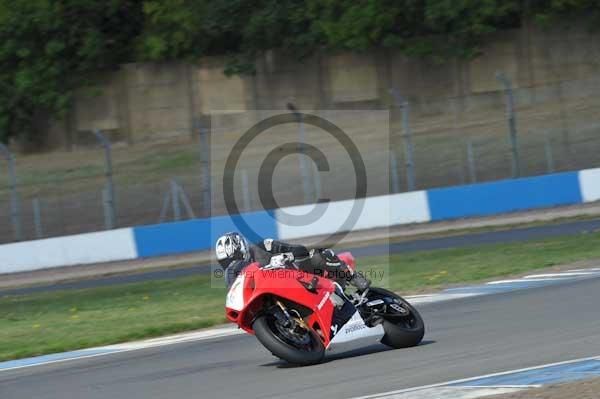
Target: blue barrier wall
[504, 196]
[200, 234]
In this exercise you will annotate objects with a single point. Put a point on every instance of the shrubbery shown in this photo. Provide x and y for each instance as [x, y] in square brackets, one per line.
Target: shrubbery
[50, 47]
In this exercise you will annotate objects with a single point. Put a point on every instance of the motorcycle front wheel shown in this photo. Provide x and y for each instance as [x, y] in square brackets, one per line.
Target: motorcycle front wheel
[294, 345]
[403, 325]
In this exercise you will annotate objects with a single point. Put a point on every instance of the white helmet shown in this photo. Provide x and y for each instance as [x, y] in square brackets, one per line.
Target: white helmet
[231, 246]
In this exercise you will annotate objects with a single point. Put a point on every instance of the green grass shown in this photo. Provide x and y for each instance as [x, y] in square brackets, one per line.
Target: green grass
[58, 321]
[418, 271]
[480, 229]
[54, 322]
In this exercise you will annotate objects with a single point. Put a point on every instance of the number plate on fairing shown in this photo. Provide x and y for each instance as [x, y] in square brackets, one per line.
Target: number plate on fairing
[235, 296]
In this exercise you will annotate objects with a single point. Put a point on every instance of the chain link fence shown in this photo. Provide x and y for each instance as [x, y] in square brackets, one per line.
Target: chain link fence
[434, 143]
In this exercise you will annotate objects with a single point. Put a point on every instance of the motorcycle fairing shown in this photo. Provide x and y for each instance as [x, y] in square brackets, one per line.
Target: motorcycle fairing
[347, 326]
[341, 316]
[355, 331]
[246, 295]
[245, 299]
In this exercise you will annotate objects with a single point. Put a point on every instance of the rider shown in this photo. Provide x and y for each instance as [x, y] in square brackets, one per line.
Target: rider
[234, 253]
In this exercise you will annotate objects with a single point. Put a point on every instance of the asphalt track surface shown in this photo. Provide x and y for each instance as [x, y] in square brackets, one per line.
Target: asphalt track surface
[454, 241]
[465, 338]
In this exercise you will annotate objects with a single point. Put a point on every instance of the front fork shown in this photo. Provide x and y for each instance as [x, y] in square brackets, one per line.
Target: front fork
[287, 319]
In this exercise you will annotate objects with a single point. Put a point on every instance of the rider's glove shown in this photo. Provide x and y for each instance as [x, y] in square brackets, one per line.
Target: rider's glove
[325, 258]
[268, 243]
[280, 260]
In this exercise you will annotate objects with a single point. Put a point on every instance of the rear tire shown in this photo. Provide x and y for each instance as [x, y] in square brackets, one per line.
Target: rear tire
[283, 350]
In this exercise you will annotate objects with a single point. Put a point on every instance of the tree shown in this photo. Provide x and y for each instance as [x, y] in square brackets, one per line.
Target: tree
[48, 48]
[239, 29]
[435, 28]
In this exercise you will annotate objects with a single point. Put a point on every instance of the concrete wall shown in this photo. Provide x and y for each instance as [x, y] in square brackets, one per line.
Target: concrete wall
[146, 101]
[105, 246]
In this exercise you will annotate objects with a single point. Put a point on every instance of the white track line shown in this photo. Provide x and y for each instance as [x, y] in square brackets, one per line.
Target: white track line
[520, 281]
[390, 394]
[233, 330]
[454, 393]
[593, 269]
[441, 298]
[561, 275]
[57, 361]
[180, 338]
[136, 345]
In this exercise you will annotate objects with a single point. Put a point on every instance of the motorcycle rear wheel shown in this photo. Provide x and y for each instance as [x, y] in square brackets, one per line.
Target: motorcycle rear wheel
[302, 350]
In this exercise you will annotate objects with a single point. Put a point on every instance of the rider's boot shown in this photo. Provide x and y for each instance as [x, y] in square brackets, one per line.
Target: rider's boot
[345, 275]
[359, 281]
[339, 271]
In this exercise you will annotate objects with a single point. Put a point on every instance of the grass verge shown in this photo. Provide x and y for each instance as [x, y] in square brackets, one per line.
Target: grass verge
[59, 321]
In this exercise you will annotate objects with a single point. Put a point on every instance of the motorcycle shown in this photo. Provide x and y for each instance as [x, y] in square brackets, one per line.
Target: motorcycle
[300, 316]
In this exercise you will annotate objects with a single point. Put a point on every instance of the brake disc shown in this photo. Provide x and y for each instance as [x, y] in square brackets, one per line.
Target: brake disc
[398, 308]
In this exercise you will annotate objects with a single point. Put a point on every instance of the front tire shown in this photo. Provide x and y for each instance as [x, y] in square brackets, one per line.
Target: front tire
[267, 333]
[402, 331]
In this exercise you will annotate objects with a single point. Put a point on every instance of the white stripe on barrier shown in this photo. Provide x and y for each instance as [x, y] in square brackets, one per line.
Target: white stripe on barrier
[589, 184]
[115, 245]
[381, 211]
[104, 246]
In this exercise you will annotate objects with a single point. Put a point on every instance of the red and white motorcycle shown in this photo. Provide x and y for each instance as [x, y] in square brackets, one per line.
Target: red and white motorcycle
[299, 316]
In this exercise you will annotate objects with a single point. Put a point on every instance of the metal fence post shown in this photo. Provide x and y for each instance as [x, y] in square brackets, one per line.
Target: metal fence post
[402, 102]
[186, 201]
[304, 172]
[110, 192]
[106, 208]
[316, 182]
[245, 190]
[15, 206]
[471, 162]
[512, 122]
[394, 172]
[165, 207]
[175, 201]
[37, 218]
[205, 165]
[549, 156]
